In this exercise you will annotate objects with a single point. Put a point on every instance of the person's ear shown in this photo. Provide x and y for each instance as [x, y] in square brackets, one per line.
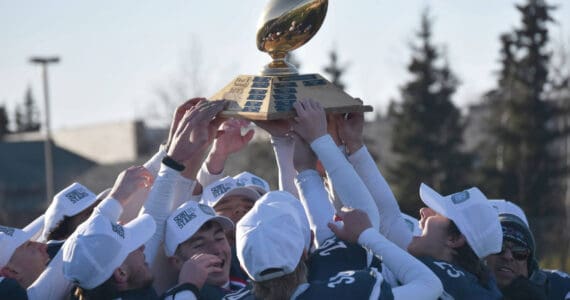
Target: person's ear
[120, 275]
[456, 241]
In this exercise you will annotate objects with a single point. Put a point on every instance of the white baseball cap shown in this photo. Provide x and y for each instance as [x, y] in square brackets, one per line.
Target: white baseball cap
[99, 246]
[271, 237]
[507, 207]
[186, 220]
[69, 202]
[473, 214]
[11, 238]
[244, 184]
[413, 224]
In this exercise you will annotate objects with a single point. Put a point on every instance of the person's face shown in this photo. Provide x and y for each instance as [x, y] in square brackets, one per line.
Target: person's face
[210, 239]
[432, 242]
[28, 262]
[509, 264]
[234, 207]
[139, 272]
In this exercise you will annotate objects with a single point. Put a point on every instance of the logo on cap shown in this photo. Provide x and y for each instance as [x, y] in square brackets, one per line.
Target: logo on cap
[460, 197]
[76, 195]
[206, 209]
[118, 229]
[184, 217]
[7, 230]
[257, 181]
[219, 189]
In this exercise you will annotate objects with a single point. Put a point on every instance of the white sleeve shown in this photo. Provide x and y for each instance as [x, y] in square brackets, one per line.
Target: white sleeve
[167, 187]
[109, 207]
[284, 148]
[205, 178]
[418, 281]
[317, 206]
[346, 183]
[153, 164]
[51, 284]
[392, 225]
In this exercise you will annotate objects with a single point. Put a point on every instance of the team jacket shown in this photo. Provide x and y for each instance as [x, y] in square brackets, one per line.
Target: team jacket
[460, 284]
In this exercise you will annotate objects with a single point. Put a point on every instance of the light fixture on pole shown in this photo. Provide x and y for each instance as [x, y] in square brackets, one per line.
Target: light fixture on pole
[44, 62]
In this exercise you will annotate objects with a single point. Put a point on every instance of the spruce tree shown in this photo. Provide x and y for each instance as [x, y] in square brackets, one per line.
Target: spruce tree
[3, 122]
[27, 115]
[523, 165]
[335, 71]
[427, 130]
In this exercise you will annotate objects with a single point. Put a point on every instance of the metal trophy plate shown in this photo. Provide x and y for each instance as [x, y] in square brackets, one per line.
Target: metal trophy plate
[285, 25]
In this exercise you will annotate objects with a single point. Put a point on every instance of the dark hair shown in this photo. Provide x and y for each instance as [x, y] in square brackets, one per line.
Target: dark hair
[281, 288]
[106, 290]
[466, 258]
[62, 230]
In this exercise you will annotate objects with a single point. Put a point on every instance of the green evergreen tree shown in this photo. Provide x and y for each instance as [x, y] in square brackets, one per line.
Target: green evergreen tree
[427, 131]
[523, 165]
[335, 71]
[27, 115]
[3, 122]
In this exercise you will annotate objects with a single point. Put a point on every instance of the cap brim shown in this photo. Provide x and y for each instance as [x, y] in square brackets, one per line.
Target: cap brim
[140, 230]
[35, 227]
[434, 200]
[226, 223]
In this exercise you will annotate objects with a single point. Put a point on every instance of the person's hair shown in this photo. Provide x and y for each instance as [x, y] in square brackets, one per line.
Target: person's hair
[62, 230]
[106, 290]
[205, 226]
[466, 258]
[283, 287]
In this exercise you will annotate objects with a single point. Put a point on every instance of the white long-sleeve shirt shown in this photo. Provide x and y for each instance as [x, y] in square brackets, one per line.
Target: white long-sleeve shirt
[417, 280]
[347, 185]
[392, 224]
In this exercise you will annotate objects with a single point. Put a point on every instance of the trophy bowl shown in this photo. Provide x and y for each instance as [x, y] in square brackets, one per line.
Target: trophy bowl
[286, 25]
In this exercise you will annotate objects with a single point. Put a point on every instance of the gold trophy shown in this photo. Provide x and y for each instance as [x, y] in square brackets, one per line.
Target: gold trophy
[285, 26]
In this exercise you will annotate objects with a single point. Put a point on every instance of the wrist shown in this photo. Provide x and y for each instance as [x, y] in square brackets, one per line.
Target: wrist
[173, 163]
[352, 147]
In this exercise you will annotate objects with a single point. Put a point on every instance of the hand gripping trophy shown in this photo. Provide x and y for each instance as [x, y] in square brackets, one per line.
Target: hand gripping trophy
[285, 25]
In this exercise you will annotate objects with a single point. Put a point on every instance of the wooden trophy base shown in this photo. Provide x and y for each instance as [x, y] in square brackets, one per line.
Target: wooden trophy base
[272, 97]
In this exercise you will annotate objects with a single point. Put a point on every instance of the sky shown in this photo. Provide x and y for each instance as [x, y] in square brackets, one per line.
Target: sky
[116, 55]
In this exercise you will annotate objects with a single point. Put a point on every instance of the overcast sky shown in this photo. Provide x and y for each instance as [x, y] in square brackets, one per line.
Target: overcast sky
[116, 54]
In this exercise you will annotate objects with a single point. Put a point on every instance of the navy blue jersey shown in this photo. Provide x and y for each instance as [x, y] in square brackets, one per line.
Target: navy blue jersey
[238, 277]
[335, 255]
[10, 289]
[557, 284]
[361, 284]
[460, 284]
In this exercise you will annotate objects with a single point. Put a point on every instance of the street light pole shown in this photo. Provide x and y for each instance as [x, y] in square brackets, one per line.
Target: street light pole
[44, 62]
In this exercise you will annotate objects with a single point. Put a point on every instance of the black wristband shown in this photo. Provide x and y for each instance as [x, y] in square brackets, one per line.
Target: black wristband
[171, 163]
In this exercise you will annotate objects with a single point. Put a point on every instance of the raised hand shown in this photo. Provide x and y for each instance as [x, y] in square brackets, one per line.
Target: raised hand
[195, 132]
[355, 222]
[310, 122]
[130, 182]
[350, 128]
[229, 138]
[178, 114]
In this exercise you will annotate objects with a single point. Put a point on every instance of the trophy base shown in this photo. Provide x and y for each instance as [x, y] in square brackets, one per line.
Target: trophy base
[272, 97]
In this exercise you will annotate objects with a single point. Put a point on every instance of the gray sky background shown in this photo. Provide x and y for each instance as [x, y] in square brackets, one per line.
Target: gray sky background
[116, 54]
